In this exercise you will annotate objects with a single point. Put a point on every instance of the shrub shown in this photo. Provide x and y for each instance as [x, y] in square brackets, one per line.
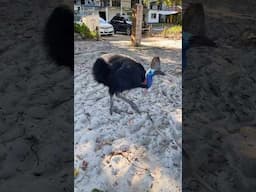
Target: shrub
[178, 19]
[84, 31]
[174, 31]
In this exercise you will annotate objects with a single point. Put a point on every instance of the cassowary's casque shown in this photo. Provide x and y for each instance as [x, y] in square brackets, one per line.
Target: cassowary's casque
[120, 73]
[59, 36]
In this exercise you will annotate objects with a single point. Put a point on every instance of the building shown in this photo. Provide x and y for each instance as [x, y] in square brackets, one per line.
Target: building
[106, 9]
[160, 13]
[86, 7]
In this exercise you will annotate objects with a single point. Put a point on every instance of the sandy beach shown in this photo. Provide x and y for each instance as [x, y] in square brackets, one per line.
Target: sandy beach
[128, 151]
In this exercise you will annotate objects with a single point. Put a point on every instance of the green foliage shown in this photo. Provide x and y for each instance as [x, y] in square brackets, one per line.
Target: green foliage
[84, 31]
[173, 31]
[176, 19]
[170, 2]
[166, 2]
[179, 19]
[96, 190]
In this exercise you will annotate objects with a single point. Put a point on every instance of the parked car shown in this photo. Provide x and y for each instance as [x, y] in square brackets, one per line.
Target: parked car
[121, 24]
[106, 28]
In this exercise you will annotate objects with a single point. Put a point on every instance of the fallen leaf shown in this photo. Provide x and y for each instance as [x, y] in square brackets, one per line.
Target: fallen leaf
[76, 172]
[84, 165]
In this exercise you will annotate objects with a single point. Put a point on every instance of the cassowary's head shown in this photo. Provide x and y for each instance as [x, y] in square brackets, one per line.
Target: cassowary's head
[155, 69]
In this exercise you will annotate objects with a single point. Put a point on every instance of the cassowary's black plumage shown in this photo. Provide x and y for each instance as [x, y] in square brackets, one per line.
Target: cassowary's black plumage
[59, 36]
[121, 73]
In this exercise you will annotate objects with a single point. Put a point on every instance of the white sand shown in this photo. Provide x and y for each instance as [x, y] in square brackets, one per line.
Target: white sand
[128, 151]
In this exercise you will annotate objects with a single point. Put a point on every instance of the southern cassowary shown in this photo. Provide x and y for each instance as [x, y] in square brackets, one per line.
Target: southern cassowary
[120, 73]
[59, 36]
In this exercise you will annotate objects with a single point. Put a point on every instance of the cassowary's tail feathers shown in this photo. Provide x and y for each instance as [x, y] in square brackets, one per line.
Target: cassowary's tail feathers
[101, 71]
[59, 36]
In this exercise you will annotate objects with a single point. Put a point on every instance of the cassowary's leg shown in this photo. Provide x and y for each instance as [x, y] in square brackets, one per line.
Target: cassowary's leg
[112, 107]
[111, 104]
[133, 105]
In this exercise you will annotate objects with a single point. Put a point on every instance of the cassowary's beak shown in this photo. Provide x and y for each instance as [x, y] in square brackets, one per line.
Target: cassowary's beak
[159, 73]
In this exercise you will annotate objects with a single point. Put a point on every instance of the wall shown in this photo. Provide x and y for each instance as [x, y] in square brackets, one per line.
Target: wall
[126, 4]
[150, 20]
[112, 11]
[91, 21]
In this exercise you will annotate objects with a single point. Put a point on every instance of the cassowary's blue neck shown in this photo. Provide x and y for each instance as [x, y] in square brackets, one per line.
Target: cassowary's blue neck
[149, 77]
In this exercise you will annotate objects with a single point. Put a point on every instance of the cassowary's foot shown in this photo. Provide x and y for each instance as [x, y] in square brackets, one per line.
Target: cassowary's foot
[113, 108]
[133, 105]
[116, 110]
